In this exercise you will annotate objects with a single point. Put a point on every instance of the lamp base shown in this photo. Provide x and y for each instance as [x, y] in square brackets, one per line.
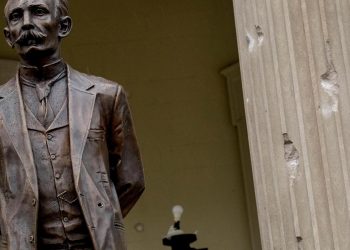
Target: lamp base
[181, 242]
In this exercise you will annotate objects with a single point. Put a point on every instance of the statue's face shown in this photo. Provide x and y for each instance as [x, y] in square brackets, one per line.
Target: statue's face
[32, 26]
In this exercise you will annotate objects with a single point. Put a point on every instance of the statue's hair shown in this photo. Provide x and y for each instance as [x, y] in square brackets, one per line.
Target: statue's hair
[61, 7]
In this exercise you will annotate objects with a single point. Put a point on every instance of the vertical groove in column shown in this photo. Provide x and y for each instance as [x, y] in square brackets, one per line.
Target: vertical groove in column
[292, 196]
[267, 242]
[323, 147]
[275, 66]
[339, 125]
[294, 208]
[263, 204]
[270, 142]
[336, 114]
[262, 165]
[296, 224]
[301, 127]
[343, 42]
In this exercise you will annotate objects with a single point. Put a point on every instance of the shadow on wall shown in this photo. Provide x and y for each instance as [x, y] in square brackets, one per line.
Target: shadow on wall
[8, 70]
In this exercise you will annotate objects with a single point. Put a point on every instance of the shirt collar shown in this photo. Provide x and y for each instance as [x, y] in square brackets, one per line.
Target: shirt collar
[42, 73]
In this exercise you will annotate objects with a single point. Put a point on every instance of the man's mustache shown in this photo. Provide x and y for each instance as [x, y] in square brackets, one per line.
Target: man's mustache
[27, 35]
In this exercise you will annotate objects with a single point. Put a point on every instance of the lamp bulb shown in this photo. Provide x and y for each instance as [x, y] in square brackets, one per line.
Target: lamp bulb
[177, 212]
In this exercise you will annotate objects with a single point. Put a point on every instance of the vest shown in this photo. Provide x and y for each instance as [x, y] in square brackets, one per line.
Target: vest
[60, 218]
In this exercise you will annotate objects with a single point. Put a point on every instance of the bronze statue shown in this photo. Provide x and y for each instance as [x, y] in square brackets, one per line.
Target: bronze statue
[70, 167]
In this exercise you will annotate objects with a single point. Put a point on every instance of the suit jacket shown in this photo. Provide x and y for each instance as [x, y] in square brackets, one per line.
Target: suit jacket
[107, 168]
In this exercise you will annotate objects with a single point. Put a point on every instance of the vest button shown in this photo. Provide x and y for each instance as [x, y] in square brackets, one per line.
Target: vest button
[53, 156]
[31, 239]
[34, 202]
[57, 176]
[49, 137]
[65, 219]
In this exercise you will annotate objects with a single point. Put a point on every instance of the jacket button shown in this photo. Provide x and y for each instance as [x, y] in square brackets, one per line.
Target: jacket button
[57, 176]
[34, 202]
[31, 239]
[53, 156]
[49, 137]
[65, 219]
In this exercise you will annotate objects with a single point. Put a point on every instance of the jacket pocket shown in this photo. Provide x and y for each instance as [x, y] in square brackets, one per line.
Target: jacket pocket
[3, 244]
[117, 224]
[96, 135]
[3, 240]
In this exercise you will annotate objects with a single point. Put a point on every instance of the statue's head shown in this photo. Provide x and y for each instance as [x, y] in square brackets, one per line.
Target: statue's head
[35, 28]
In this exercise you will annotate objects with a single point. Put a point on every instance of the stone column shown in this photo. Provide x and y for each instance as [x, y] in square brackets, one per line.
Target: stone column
[295, 66]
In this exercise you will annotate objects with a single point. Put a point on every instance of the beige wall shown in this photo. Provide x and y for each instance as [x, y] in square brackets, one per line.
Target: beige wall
[168, 55]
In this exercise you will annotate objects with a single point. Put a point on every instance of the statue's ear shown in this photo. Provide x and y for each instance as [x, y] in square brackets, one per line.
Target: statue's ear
[8, 37]
[65, 26]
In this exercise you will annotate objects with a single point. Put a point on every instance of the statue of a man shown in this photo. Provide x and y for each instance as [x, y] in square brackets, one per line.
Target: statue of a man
[70, 167]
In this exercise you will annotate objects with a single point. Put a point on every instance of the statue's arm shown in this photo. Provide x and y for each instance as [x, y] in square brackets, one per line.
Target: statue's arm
[125, 160]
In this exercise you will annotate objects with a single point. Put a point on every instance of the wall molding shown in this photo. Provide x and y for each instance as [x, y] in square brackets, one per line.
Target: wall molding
[235, 95]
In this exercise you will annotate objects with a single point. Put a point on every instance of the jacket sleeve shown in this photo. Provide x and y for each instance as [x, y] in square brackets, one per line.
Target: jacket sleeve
[125, 161]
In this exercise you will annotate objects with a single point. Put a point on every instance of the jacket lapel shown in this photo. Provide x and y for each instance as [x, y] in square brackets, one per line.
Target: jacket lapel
[12, 115]
[80, 107]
